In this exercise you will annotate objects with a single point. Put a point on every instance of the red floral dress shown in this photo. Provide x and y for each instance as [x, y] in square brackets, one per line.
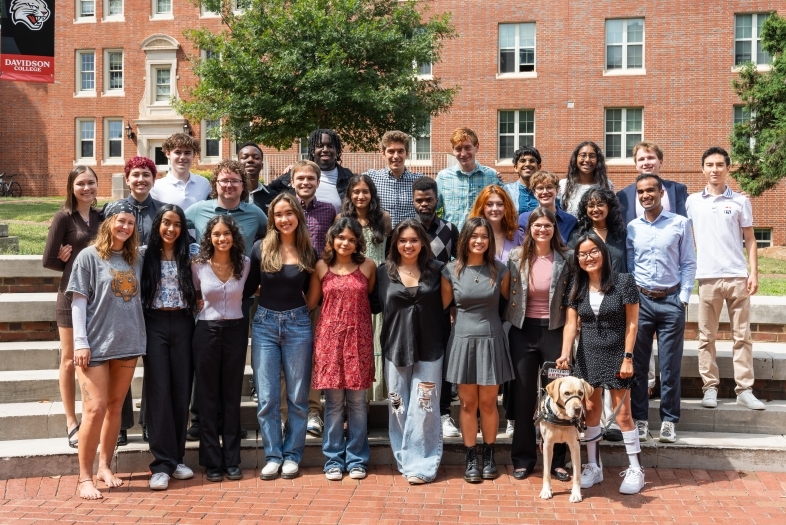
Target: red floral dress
[344, 341]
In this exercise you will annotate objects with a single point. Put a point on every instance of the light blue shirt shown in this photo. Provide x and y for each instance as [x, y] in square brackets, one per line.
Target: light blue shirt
[457, 191]
[661, 253]
[251, 221]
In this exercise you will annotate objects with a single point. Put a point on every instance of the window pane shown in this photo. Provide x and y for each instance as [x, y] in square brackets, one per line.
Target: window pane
[614, 31]
[88, 130]
[614, 57]
[526, 35]
[87, 149]
[115, 7]
[163, 6]
[212, 146]
[742, 52]
[613, 149]
[635, 56]
[633, 120]
[88, 8]
[507, 35]
[115, 70]
[115, 129]
[526, 122]
[507, 61]
[526, 140]
[762, 57]
[87, 133]
[115, 149]
[423, 148]
[741, 114]
[424, 69]
[527, 59]
[631, 139]
[507, 121]
[506, 147]
[88, 64]
[635, 30]
[613, 120]
[760, 19]
[743, 26]
[163, 88]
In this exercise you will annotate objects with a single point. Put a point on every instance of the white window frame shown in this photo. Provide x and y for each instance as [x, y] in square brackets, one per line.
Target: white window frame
[517, 47]
[154, 69]
[89, 161]
[204, 158]
[517, 134]
[80, 17]
[754, 40]
[425, 75]
[113, 161]
[625, 69]
[624, 159]
[160, 52]
[117, 17]
[79, 90]
[741, 118]
[416, 157]
[108, 90]
[302, 150]
[766, 234]
[204, 13]
[155, 14]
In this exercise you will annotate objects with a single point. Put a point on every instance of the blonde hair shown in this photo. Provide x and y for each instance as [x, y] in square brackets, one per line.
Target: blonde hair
[463, 134]
[271, 244]
[543, 177]
[103, 241]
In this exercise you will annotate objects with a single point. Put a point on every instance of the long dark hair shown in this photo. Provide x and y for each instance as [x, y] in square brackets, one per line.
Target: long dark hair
[462, 253]
[614, 222]
[70, 205]
[151, 267]
[236, 252]
[601, 178]
[376, 220]
[329, 254]
[424, 257]
[581, 278]
[528, 244]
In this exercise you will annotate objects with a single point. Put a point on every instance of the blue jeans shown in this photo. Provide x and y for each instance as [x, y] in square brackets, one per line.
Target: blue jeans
[415, 424]
[353, 451]
[282, 339]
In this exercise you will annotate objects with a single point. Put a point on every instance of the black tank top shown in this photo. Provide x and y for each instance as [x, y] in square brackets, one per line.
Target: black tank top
[283, 290]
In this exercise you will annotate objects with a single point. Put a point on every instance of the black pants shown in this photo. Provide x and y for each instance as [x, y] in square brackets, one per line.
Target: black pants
[127, 413]
[168, 371]
[531, 346]
[220, 359]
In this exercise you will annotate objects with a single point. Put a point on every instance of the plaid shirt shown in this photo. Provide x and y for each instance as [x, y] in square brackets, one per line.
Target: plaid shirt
[444, 239]
[458, 191]
[319, 218]
[395, 194]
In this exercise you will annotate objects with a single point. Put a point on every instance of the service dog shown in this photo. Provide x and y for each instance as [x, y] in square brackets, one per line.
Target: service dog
[565, 401]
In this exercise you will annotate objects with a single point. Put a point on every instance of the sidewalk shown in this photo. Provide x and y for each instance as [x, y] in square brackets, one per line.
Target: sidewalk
[385, 498]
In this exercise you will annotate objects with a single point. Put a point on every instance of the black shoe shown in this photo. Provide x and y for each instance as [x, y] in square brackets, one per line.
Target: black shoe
[234, 473]
[521, 474]
[489, 466]
[145, 437]
[122, 438]
[215, 474]
[613, 434]
[254, 396]
[193, 433]
[243, 433]
[560, 476]
[472, 474]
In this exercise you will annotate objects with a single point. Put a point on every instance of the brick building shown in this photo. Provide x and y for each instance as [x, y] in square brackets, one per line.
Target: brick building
[551, 73]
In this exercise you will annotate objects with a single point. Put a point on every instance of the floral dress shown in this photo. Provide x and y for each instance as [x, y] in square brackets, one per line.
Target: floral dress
[376, 252]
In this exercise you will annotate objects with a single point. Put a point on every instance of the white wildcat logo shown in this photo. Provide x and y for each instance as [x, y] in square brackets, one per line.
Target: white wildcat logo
[32, 13]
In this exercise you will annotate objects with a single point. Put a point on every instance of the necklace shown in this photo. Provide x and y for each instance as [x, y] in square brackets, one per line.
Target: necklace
[599, 229]
[477, 275]
[408, 272]
[218, 265]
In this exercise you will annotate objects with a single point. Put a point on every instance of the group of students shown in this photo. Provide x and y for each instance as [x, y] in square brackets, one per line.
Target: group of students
[353, 285]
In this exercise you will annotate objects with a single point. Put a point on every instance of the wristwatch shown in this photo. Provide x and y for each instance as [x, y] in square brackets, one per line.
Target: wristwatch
[628, 355]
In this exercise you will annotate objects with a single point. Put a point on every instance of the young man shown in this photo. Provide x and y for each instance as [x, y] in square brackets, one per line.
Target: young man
[180, 186]
[662, 260]
[722, 219]
[459, 186]
[527, 162]
[545, 186]
[444, 242]
[649, 159]
[251, 158]
[394, 183]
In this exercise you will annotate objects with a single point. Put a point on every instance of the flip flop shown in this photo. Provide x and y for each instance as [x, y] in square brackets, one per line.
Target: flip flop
[73, 443]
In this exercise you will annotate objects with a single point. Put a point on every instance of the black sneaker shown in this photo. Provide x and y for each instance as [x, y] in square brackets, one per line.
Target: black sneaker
[613, 434]
[122, 438]
[243, 433]
[193, 433]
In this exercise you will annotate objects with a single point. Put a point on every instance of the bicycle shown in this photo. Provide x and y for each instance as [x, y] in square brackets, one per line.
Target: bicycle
[9, 188]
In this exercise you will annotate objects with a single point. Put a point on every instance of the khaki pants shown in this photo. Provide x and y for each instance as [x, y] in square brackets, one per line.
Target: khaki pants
[314, 396]
[712, 294]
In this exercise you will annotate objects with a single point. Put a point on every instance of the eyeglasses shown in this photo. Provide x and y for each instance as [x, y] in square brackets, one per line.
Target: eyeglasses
[592, 254]
[587, 156]
[543, 227]
[230, 182]
[545, 189]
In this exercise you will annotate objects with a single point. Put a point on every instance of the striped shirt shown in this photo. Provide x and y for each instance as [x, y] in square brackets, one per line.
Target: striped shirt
[395, 194]
[458, 191]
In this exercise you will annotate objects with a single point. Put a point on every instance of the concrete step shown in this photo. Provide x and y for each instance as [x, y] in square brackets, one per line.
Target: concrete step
[27, 307]
[728, 417]
[769, 360]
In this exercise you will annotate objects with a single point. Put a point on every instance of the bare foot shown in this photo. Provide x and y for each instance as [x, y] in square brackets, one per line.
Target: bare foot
[87, 490]
[108, 478]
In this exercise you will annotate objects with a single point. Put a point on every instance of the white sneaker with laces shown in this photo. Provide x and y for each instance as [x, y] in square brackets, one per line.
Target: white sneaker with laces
[357, 473]
[710, 399]
[183, 472]
[510, 428]
[314, 426]
[334, 474]
[449, 429]
[644, 429]
[748, 400]
[159, 481]
[633, 482]
[667, 432]
[289, 470]
[591, 475]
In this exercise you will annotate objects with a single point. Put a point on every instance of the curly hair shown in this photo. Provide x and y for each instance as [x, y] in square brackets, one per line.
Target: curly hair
[104, 239]
[236, 252]
[376, 219]
[329, 255]
[600, 176]
[70, 205]
[271, 244]
[232, 166]
[463, 246]
[510, 218]
[614, 220]
[180, 140]
[315, 139]
[140, 162]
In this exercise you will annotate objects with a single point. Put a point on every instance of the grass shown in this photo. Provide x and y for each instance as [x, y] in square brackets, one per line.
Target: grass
[772, 266]
[32, 237]
[38, 210]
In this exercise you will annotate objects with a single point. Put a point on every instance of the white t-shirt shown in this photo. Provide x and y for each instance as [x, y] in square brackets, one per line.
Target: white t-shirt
[326, 191]
[595, 299]
[578, 192]
[171, 190]
[717, 228]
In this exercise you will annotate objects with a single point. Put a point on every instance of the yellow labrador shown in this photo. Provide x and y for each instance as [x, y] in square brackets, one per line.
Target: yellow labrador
[565, 398]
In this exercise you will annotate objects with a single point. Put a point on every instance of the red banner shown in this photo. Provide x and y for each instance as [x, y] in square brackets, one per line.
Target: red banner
[27, 67]
[27, 40]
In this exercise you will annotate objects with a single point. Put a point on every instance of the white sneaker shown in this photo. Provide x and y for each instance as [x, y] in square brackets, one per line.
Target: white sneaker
[314, 426]
[334, 474]
[159, 481]
[667, 432]
[710, 399]
[289, 470]
[357, 473]
[270, 471]
[633, 482]
[748, 400]
[644, 429]
[510, 428]
[449, 429]
[183, 472]
[591, 475]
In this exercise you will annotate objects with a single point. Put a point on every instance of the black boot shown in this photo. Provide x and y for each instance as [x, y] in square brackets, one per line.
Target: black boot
[472, 474]
[489, 466]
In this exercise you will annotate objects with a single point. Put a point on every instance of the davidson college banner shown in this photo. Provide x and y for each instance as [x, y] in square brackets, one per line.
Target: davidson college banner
[27, 46]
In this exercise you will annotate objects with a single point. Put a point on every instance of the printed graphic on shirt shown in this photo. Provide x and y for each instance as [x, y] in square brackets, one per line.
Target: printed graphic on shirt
[124, 283]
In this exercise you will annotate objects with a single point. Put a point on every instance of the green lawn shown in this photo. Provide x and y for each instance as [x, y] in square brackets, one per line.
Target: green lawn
[38, 210]
[32, 237]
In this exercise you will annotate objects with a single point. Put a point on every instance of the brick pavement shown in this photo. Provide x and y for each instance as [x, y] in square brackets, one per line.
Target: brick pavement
[384, 498]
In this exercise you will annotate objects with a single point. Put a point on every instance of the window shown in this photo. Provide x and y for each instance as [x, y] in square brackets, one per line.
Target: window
[242, 5]
[420, 148]
[212, 146]
[625, 44]
[85, 139]
[516, 48]
[747, 40]
[763, 237]
[623, 129]
[113, 64]
[86, 72]
[162, 7]
[303, 149]
[113, 10]
[86, 8]
[113, 131]
[163, 89]
[742, 115]
[516, 129]
[424, 69]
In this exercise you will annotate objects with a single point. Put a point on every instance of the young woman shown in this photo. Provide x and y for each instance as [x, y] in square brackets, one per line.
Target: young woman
[494, 204]
[219, 344]
[281, 338]
[71, 229]
[599, 212]
[478, 356]
[344, 347]
[413, 328]
[607, 305]
[539, 273]
[169, 302]
[109, 330]
[587, 168]
[362, 204]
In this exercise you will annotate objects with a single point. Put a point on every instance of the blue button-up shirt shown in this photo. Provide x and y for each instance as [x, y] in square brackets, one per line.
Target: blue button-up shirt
[661, 253]
[458, 191]
[250, 219]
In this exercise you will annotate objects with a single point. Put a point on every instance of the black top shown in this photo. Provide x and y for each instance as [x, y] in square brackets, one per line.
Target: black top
[284, 182]
[281, 291]
[68, 228]
[444, 239]
[413, 326]
[618, 250]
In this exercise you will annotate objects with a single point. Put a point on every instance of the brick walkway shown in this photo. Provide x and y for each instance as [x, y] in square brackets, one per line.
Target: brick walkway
[670, 496]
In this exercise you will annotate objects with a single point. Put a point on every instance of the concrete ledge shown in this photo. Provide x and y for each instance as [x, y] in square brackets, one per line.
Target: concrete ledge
[728, 417]
[769, 360]
[764, 310]
[24, 266]
[29, 355]
[27, 307]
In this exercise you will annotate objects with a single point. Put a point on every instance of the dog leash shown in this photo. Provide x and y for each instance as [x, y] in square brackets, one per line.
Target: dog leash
[610, 422]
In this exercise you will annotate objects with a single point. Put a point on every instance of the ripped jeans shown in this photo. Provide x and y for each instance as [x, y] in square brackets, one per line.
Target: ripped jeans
[415, 424]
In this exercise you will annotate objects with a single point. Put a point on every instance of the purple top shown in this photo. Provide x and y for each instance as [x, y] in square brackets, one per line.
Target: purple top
[518, 236]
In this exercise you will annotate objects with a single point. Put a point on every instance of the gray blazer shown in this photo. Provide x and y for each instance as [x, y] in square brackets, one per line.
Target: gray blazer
[519, 280]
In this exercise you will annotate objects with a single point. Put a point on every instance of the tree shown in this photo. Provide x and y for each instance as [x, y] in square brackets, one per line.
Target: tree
[759, 145]
[282, 68]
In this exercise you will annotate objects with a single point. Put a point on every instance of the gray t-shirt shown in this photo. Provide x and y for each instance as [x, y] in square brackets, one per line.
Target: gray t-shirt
[115, 322]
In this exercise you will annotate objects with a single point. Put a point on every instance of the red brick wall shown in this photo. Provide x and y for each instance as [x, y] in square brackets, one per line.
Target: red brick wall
[29, 284]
